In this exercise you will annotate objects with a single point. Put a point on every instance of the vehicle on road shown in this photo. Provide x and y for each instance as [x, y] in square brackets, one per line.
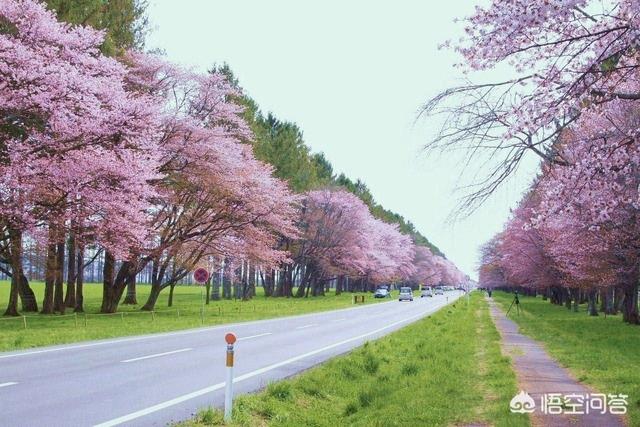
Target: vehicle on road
[439, 291]
[406, 294]
[426, 292]
[382, 293]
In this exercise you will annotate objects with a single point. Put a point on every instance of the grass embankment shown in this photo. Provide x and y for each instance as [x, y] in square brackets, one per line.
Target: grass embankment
[446, 369]
[602, 352]
[185, 313]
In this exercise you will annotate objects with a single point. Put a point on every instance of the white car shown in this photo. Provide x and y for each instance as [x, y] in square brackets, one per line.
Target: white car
[406, 294]
[382, 293]
[426, 292]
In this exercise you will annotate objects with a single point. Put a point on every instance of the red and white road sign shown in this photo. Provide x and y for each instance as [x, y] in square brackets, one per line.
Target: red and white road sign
[201, 275]
[230, 338]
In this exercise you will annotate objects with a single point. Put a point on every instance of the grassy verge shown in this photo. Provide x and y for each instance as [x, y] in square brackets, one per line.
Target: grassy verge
[444, 370]
[602, 352]
[185, 313]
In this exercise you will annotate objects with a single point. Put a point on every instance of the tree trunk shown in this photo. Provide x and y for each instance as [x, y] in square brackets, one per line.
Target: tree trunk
[49, 274]
[604, 300]
[153, 297]
[27, 296]
[592, 308]
[339, 284]
[58, 292]
[630, 303]
[252, 281]
[215, 289]
[108, 275]
[79, 280]
[611, 306]
[226, 281]
[70, 297]
[288, 281]
[15, 237]
[576, 299]
[618, 298]
[171, 287]
[267, 282]
[279, 284]
[131, 298]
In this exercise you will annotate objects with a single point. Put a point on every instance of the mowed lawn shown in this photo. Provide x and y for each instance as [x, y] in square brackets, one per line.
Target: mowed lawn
[602, 352]
[185, 313]
[444, 370]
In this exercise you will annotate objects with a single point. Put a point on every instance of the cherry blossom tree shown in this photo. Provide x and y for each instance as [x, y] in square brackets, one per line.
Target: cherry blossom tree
[566, 58]
[77, 148]
[214, 197]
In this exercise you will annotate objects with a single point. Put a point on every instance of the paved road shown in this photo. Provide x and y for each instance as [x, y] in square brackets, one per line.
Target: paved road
[156, 379]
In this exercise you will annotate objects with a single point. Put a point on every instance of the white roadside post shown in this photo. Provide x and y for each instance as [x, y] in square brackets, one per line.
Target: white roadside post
[230, 338]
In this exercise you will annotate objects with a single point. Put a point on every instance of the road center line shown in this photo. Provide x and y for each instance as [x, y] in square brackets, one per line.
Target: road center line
[197, 393]
[339, 320]
[307, 326]
[255, 336]
[7, 384]
[156, 355]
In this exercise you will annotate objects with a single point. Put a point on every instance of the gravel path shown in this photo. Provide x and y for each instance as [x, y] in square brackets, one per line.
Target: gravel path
[538, 374]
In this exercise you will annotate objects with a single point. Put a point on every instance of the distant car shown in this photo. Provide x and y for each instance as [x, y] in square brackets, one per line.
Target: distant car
[406, 294]
[426, 292]
[439, 291]
[382, 293]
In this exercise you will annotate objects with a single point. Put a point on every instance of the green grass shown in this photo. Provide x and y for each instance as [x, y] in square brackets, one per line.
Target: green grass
[602, 352]
[444, 370]
[185, 313]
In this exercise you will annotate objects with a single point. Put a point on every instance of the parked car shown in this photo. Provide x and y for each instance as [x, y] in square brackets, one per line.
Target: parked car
[382, 293]
[406, 294]
[426, 292]
[439, 291]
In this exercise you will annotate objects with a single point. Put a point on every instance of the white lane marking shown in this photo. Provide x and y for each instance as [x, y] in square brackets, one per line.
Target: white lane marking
[339, 320]
[135, 359]
[307, 326]
[189, 331]
[197, 393]
[7, 384]
[255, 336]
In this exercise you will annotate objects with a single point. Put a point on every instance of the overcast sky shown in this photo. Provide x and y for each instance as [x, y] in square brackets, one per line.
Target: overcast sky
[352, 75]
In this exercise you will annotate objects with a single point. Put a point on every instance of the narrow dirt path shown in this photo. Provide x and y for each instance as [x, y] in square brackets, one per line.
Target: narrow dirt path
[538, 374]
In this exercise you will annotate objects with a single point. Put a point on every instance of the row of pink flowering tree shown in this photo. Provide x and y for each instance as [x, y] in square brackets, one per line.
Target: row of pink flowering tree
[573, 101]
[146, 160]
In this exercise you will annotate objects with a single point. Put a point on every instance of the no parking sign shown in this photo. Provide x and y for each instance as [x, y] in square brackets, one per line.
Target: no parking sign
[201, 275]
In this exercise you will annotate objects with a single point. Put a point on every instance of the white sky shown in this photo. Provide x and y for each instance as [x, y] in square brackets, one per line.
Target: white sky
[352, 75]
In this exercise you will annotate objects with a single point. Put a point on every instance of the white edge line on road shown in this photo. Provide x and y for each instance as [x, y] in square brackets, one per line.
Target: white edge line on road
[255, 336]
[156, 355]
[306, 326]
[7, 384]
[197, 393]
[186, 332]
[339, 320]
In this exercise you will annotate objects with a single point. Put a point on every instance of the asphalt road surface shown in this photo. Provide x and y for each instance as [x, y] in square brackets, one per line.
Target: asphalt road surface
[162, 378]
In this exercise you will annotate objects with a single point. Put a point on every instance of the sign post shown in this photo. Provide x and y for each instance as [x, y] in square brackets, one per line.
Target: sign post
[201, 275]
[230, 338]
